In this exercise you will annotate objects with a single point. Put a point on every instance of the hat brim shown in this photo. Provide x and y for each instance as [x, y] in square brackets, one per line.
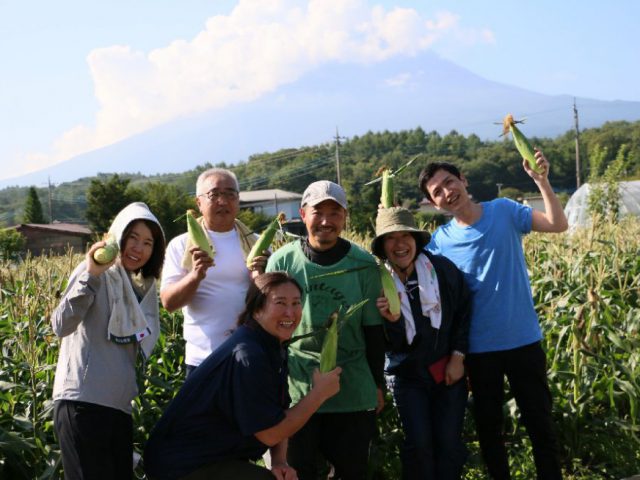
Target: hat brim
[422, 238]
[317, 201]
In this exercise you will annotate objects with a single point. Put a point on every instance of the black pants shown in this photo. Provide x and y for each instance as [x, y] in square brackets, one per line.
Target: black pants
[525, 368]
[342, 438]
[96, 442]
[432, 418]
[231, 470]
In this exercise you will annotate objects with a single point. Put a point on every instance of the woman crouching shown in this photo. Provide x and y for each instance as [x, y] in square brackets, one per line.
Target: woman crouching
[235, 405]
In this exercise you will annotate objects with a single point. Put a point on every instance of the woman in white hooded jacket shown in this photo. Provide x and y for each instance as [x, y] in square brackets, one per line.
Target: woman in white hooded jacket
[107, 316]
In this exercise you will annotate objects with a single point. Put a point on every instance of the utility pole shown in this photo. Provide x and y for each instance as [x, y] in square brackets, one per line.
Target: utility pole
[50, 209]
[337, 139]
[575, 117]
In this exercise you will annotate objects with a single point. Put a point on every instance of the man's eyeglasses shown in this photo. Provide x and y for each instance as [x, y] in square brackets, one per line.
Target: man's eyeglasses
[213, 195]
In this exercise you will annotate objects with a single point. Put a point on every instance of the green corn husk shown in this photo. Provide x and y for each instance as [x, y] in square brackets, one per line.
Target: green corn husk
[387, 194]
[264, 241]
[390, 290]
[521, 142]
[386, 176]
[107, 253]
[197, 235]
[329, 352]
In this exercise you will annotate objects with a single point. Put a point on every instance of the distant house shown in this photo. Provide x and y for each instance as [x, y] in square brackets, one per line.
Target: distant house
[54, 238]
[271, 202]
[535, 202]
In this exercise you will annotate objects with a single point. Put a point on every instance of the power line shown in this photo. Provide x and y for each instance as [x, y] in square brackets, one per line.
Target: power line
[337, 139]
[577, 129]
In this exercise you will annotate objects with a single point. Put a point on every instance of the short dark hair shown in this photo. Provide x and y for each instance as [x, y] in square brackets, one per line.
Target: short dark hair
[430, 170]
[258, 292]
[153, 267]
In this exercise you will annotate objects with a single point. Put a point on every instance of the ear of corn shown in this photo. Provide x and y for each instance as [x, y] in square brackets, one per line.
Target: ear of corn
[521, 142]
[329, 352]
[264, 241]
[390, 290]
[197, 234]
[386, 197]
[386, 175]
[107, 253]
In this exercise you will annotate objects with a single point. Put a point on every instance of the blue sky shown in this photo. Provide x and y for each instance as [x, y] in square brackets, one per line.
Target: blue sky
[78, 75]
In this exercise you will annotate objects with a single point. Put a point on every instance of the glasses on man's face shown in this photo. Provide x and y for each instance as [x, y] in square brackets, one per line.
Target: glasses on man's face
[213, 195]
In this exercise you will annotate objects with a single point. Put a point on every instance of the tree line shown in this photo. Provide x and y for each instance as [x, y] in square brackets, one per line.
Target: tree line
[491, 166]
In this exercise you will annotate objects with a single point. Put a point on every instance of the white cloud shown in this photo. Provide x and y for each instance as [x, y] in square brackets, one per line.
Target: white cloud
[259, 46]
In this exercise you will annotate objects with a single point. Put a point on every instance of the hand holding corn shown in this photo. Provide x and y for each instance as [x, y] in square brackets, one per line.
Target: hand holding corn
[108, 252]
[94, 267]
[542, 165]
[383, 307]
[326, 385]
[201, 262]
[259, 264]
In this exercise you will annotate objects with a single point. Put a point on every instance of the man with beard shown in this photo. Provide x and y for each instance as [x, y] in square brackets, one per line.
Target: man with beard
[334, 274]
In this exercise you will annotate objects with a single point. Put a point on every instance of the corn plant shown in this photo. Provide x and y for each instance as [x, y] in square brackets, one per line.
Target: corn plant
[28, 294]
[586, 290]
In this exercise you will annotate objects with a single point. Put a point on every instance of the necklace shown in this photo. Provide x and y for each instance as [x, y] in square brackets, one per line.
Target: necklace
[410, 286]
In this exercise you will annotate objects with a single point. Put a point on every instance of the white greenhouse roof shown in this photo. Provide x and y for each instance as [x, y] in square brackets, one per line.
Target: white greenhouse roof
[577, 209]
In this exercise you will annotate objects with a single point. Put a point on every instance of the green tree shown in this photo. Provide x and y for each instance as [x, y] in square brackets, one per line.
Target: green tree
[33, 208]
[105, 200]
[256, 221]
[11, 243]
[167, 202]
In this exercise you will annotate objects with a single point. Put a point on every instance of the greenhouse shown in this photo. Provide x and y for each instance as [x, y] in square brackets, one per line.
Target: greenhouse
[577, 209]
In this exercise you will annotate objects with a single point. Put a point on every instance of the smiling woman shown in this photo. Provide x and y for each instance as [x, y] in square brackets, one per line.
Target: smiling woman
[107, 316]
[235, 404]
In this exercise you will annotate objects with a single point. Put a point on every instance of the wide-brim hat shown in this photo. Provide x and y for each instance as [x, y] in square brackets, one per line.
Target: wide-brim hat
[397, 219]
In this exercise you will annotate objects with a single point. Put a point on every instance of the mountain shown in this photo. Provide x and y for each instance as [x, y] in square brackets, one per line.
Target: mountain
[397, 94]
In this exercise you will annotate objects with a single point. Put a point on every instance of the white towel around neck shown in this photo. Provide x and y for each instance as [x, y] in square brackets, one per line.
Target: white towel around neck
[429, 292]
[128, 322]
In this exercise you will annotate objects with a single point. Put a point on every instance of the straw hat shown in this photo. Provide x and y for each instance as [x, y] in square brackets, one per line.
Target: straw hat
[397, 219]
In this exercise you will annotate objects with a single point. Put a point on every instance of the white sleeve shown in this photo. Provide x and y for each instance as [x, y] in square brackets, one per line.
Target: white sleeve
[172, 270]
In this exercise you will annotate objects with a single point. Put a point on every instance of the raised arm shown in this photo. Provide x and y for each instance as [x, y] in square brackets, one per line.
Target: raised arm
[553, 218]
[85, 281]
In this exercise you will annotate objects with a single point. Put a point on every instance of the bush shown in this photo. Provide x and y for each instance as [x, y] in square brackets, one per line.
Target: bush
[12, 243]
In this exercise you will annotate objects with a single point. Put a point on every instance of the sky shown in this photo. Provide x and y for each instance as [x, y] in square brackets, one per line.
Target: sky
[77, 75]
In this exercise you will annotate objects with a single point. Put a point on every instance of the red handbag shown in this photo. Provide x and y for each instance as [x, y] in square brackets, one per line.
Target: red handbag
[438, 368]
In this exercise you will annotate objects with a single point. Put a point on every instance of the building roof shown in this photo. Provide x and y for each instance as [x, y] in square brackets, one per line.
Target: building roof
[73, 228]
[268, 196]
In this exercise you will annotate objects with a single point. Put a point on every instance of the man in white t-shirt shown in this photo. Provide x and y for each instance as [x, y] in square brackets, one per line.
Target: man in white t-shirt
[211, 292]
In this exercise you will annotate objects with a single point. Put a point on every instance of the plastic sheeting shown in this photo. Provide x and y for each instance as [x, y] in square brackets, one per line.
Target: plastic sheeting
[577, 209]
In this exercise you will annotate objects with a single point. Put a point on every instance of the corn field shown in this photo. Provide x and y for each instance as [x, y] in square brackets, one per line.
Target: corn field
[586, 288]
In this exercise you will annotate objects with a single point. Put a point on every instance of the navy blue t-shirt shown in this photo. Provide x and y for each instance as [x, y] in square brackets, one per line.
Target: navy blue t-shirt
[240, 389]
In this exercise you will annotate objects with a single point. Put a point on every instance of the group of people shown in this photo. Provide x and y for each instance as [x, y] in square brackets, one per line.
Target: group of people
[466, 312]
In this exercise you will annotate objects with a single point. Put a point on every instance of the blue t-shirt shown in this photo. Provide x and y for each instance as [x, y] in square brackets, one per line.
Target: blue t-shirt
[240, 389]
[490, 255]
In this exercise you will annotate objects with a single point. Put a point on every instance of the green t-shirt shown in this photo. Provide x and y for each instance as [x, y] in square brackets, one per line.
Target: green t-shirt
[321, 297]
